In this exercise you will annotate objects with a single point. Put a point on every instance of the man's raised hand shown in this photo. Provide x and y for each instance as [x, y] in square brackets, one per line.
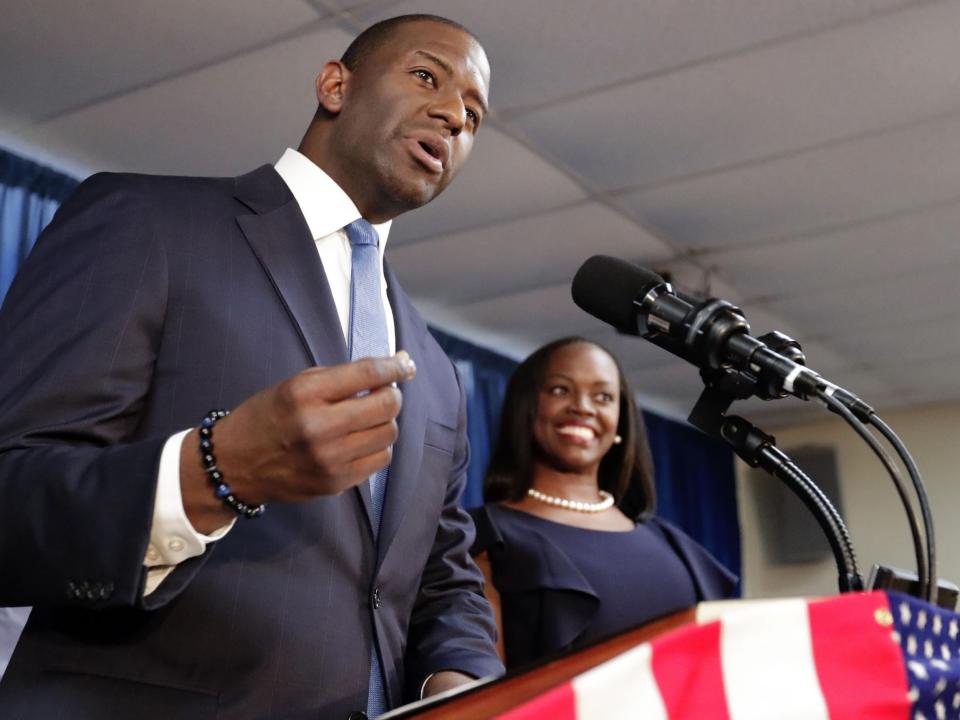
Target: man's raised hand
[319, 432]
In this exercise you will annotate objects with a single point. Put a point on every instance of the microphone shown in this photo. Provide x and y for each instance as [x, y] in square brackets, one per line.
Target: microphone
[709, 333]
[714, 335]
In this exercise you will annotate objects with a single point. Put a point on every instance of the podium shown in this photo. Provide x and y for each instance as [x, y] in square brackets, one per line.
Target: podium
[877, 655]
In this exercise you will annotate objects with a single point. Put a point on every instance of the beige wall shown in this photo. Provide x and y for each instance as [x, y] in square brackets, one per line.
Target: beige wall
[871, 507]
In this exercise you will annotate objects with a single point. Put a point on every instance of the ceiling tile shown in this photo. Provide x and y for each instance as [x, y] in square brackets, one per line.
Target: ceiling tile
[863, 384]
[501, 180]
[831, 260]
[634, 353]
[223, 120]
[539, 315]
[801, 162]
[933, 380]
[675, 380]
[56, 58]
[543, 51]
[902, 343]
[897, 301]
[758, 104]
[542, 250]
[815, 191]
[770, 415]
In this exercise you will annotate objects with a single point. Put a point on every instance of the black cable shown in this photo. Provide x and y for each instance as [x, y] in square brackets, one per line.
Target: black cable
[895, 475]
[931, 590]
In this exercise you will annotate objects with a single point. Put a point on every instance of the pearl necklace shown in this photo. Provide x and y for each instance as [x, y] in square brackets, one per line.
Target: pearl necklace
[605, 504]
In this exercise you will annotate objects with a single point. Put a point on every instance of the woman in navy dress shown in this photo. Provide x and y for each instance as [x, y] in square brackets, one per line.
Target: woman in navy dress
[567, 538]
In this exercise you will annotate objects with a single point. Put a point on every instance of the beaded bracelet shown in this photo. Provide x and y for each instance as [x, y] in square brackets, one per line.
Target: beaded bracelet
[220, 488]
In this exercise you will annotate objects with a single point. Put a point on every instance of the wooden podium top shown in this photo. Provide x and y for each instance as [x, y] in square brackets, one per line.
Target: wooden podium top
[497, 696]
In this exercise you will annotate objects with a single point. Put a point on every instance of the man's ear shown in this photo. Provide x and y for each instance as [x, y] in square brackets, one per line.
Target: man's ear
[332, 85]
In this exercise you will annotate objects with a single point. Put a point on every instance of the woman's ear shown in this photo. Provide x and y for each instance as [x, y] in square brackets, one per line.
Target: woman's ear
[331, 86]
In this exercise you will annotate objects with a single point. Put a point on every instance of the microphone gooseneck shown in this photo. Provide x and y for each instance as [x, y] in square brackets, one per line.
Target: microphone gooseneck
[714, 336]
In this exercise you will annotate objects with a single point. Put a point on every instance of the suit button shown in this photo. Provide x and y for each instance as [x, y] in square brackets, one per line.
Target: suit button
[357, 715]
[376, 598]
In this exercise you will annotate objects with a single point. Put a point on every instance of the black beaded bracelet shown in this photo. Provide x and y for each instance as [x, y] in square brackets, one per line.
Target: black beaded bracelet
[220, 488]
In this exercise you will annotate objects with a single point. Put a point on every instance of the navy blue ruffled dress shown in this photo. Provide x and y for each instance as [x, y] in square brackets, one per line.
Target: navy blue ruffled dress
[563, 587]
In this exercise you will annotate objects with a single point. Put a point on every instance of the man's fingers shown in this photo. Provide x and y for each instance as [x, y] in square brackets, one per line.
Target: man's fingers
[338, 457]
[360, 445]
[369, 464]
[345, 381]
[355, 471]
[332, 423]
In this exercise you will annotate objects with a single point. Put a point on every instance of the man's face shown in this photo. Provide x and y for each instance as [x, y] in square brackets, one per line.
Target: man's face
[410, 113]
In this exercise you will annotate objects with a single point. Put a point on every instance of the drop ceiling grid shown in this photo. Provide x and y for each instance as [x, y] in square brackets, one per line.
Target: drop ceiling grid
[545, 51]
[503, 181]
[225, 118]
[511, 257]
[53, 60]
[901, 343]
[538, 315]
[782, 97]
[834, 259]
[897, 299]
[720, 154]
[815, 191]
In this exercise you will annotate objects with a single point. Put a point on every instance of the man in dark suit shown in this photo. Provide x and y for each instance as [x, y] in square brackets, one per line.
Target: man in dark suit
[150, 302]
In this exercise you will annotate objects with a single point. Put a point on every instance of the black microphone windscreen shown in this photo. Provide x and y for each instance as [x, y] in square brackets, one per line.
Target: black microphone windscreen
[606, 287]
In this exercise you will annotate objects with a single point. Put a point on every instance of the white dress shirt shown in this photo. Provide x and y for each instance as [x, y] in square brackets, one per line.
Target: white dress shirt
[327, 210]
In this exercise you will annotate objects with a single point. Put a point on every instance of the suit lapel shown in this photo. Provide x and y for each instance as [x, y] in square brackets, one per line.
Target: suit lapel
[408, 450]
[279, 237]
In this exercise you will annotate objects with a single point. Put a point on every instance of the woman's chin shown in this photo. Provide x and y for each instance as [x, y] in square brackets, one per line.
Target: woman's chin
[572, 464]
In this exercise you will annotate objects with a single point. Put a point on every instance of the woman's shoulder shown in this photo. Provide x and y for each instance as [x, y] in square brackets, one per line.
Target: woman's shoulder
[486, 533]
[712, 578]
[496, 523]
[523, 556]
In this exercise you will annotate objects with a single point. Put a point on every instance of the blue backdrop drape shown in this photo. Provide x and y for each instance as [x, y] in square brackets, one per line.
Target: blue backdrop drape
[485, 376]
[696, 486]
[695, 481]
[29, 196]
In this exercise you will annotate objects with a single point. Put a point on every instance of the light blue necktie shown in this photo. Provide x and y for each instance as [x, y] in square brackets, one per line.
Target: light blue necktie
[368, 338]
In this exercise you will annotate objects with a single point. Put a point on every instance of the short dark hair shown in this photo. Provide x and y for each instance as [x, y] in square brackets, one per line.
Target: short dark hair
[375, 36]
[626, 471]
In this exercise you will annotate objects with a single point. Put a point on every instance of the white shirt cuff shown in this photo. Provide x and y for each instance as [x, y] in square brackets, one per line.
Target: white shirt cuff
[172, 537]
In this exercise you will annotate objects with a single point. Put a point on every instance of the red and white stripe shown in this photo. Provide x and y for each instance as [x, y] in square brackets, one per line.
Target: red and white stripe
[827, 660]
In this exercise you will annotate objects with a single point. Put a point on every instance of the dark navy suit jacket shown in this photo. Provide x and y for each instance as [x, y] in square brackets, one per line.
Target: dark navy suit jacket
[147, 302]
[537, 579]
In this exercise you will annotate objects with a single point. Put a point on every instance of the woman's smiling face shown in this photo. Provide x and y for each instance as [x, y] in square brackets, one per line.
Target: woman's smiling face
[578, 408]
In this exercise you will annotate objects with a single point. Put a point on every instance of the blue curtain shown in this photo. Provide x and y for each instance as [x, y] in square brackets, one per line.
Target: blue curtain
[484, 374]
[29, 196]
[694, 474]
[696, 486]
